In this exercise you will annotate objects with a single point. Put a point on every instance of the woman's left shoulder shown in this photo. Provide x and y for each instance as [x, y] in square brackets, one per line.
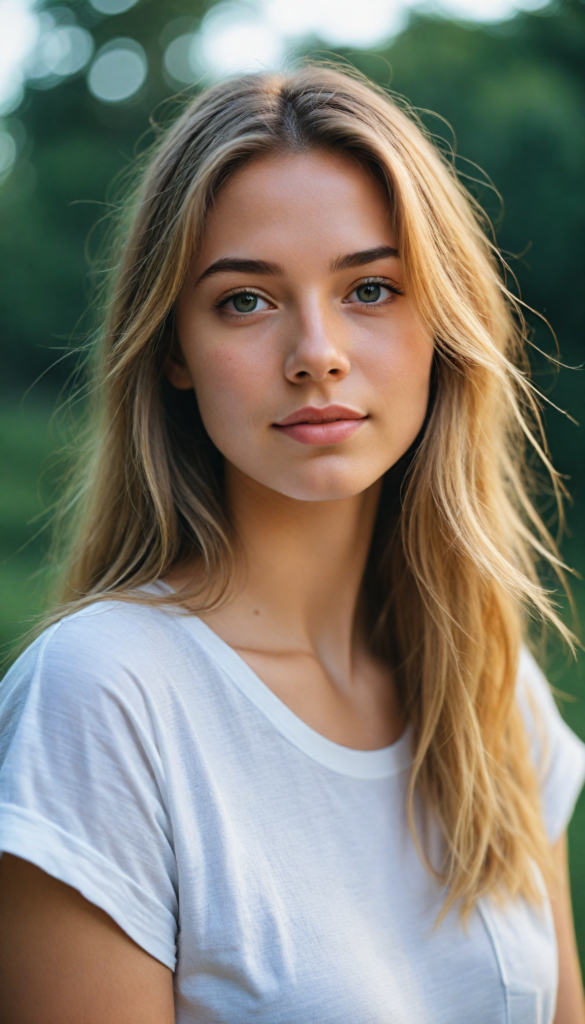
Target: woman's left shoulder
[557, 752]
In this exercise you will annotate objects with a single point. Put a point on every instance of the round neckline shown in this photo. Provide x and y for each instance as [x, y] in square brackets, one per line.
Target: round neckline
[367, 765]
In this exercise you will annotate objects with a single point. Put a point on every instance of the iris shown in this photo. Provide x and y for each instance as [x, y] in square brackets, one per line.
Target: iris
[245, 302]
[369, 292]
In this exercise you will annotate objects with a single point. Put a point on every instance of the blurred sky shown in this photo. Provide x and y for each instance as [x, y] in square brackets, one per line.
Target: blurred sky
[233, 36]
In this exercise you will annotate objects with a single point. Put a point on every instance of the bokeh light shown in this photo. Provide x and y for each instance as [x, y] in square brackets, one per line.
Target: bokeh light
[342, 24]
[20, 31]
[46, 46]
[179, 59]
[63, 50]
[7, 153]
[481, 10]
[118, 71]
[234, 37]
[112, 6]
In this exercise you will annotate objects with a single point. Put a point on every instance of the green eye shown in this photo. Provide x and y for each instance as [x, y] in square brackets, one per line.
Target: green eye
[245, 302]
[369, 292]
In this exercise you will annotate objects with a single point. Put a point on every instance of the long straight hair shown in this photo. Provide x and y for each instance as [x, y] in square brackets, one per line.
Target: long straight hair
[451, 580]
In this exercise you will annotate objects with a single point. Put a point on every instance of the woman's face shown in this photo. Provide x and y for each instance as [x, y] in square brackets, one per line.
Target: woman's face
[310, 368]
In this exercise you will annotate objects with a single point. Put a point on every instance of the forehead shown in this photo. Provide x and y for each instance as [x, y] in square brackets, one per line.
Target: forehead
[312, 203]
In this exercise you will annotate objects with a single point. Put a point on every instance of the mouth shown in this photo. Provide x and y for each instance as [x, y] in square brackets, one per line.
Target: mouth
[330, 424]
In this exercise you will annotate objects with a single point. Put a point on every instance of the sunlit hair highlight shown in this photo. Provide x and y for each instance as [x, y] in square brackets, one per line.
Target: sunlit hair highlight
[451, 581]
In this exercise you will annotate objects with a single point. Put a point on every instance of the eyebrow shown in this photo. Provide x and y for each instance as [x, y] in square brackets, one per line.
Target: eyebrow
[235, 264]
[359, 259]
[243, 266]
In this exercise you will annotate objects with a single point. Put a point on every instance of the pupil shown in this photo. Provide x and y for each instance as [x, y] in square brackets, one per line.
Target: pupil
[245, 302]
[369, 292]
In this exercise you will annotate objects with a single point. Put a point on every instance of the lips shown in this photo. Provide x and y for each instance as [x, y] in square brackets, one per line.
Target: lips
[330, 424]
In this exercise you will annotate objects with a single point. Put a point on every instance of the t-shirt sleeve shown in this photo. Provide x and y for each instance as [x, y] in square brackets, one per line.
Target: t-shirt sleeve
[82, 787]
[558, 754]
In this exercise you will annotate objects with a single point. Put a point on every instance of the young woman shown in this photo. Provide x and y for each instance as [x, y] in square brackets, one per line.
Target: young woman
[281, 755]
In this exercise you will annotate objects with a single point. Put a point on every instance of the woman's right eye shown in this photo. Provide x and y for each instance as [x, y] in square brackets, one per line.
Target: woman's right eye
[244, 302]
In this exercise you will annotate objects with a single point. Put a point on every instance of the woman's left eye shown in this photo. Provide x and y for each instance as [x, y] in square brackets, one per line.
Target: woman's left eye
[372, 293]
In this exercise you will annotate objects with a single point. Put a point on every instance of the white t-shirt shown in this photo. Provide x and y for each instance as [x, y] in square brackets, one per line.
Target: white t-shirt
[145, 764]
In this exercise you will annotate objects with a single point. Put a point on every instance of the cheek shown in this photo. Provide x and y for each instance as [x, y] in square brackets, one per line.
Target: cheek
[230, 384]
[399, 368]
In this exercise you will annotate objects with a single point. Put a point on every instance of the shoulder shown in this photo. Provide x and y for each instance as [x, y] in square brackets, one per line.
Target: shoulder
[557, 753]
[106, 635]
[533, 686]
[116, 637]
[113, 631]
[537, 704]
[112, 653]
[544, 722]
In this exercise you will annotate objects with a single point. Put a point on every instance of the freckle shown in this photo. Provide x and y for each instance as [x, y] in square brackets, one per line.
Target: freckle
[256, 611]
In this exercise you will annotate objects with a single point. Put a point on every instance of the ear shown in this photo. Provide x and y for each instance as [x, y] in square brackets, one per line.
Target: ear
[176, 370]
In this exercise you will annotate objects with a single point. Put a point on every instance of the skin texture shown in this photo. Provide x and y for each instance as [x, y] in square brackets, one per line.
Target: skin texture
[304, 516]
[64, 961]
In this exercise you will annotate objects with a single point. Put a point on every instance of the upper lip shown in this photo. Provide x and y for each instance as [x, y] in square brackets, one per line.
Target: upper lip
[324, 414]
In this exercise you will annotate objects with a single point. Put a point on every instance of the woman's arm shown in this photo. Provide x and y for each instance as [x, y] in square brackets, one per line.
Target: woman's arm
[64, 961]
[570, 1002]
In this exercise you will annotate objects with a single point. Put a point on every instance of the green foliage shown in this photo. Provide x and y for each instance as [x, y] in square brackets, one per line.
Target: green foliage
[74, 148]
[26, 446]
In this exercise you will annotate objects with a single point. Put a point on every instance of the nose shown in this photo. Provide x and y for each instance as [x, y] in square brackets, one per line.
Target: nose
[319, 351]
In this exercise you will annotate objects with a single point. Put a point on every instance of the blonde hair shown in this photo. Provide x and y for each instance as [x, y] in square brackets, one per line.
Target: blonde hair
[452, 571]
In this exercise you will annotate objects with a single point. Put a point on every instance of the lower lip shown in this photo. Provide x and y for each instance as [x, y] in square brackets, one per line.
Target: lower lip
[322, 433]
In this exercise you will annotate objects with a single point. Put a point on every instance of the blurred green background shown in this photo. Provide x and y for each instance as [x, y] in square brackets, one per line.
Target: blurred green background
[514, 96]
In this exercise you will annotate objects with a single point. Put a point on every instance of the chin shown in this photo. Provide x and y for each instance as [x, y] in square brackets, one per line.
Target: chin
[322, 484]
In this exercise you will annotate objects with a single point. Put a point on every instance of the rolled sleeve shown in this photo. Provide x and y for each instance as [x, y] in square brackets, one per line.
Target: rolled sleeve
[82, 788]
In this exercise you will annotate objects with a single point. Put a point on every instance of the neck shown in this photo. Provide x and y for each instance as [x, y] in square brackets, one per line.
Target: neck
[300, 565]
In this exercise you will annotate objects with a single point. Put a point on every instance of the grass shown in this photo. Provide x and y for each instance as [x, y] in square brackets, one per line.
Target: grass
[27, 447]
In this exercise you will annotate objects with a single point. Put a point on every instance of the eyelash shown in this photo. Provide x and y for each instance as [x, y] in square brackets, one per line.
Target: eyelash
[384, 283]
[222, 303]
